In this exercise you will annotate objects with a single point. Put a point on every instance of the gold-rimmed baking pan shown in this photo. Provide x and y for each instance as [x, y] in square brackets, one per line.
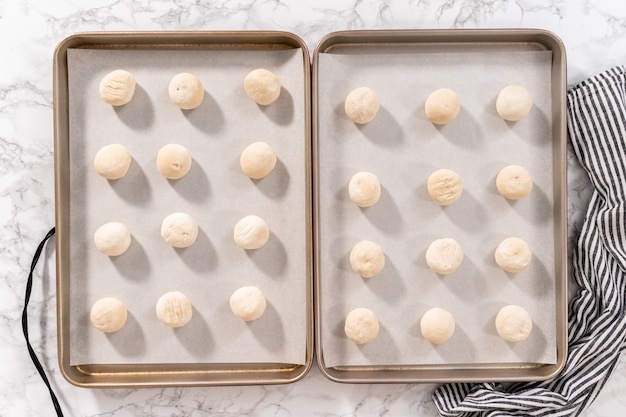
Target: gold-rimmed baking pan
[402, 148]
[215, 347]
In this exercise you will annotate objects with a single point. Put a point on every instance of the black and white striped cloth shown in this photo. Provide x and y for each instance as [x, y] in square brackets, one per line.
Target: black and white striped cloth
[596, 116]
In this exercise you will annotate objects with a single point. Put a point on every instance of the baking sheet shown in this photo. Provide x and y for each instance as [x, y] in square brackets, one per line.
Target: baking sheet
[402, 148]
[215, 192]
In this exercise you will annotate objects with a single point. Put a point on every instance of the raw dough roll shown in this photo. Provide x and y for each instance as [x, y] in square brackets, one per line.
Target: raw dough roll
[367, 258]
[513, 255]
[361, 105]
[437, 325]
[179, 230]
[251, 232]
[442, 106]
[513, 103]
[248, 303]
[117, 87]
[514, 182]
[112, 161]
[257, 160]
[173, 161]
[361, 325]
[174, 309]
[513, 323]
[262, 86]
[112, 239]
[186, 91]
[108, 314]
[445, 186]
[444, 255]
[364, 189]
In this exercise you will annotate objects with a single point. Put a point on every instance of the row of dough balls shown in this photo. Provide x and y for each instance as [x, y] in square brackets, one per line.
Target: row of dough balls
[180, 230]
[173, 161]
[513, 324]
[186, 90]
[175, 310]
[443, 256]
[445, 186]
[442, 106]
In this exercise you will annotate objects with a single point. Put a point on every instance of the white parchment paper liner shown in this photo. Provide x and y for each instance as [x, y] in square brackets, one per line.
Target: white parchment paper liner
[403, 148]
[215, 192]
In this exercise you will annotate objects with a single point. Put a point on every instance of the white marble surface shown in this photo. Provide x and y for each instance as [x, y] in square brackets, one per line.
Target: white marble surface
[592, 30]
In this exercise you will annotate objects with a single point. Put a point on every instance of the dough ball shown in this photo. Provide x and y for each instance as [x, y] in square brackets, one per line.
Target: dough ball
[179, 230]
[257, 160]
[444, 255]
[361, 105]
[367, 258]
[513, 323]
[112, 161]
[248, 303]
[112, 239]
[444, 186]
[514, 182]
[513, 103]
[364, 189]
[513, 255]
[262, 86]
[251, 232]
[174, 309]
[108, 314]
[437, 325]
[173, 161]
[117, 87]
[442, 106]
[361, 325]
[186, 91]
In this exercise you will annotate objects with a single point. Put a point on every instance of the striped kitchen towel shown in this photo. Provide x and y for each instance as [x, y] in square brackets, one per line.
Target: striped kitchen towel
[596, 116]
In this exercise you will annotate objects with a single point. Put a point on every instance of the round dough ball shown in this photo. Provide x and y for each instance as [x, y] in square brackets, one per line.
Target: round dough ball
[112, 161]
[367, 258]
[257, 160]
[262, 86]
[445, 186]
[444, 255]
[442, 106]
[117, 87]
[179, 230]
[112, 239]
[513, 103]
[251, 232]
[174, 309]
[513, 255]
[364, 189]
[108, 314]
[173, 161]
[513, 323]
[361, 105]
[186, 91]
[514, 182]
[437, 325]
[248, 303]
[361, 325]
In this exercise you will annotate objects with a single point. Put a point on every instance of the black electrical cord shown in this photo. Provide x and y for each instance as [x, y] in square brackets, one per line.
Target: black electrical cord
[31, 351]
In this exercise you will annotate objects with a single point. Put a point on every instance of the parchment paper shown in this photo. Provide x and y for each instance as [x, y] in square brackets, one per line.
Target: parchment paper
[403, 148]
[215, 192]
